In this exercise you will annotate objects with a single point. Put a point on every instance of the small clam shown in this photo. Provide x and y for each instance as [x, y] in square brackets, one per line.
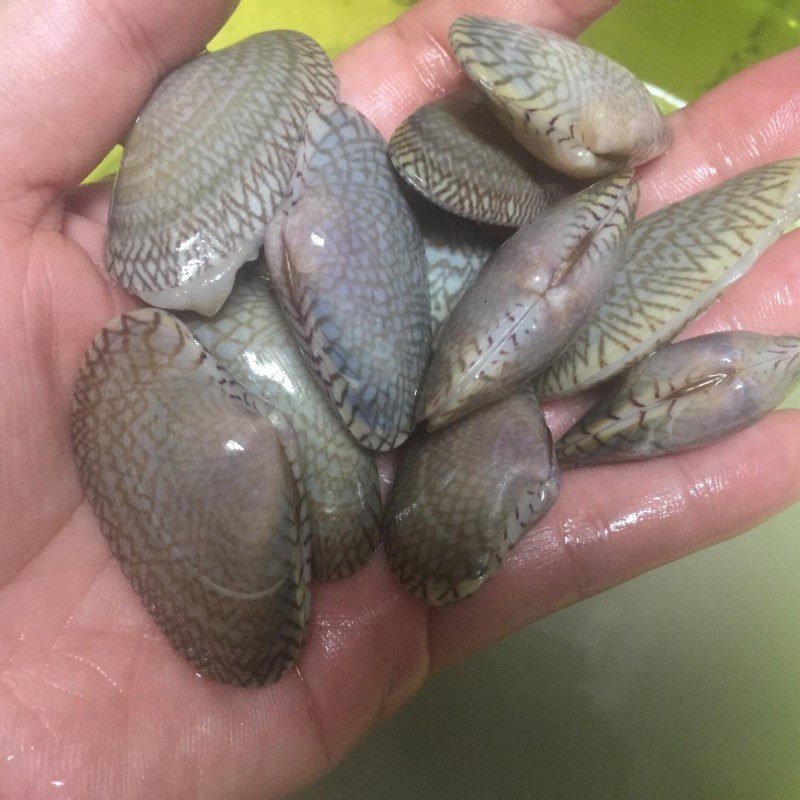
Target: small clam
[465, 494]
[252, 340]
[529, 301]
[349, 269]
[685, 395]
[193, 481]
[456, 154]
[678, 260]
[206, 165]
[456, 250]
[570, 106]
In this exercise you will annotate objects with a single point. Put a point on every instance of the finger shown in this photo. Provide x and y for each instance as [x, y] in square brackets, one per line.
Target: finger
[73, 73]
[751, 119]
[86, 216]
[612, 523]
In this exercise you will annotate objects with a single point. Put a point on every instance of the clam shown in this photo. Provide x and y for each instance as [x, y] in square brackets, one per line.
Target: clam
[678, 260]
[206, 165]
[466, 494]
[348, 265]
[252, 340]
[529, 301]
[570, 106]
[685, 395]
[456, 154]
[456, 249]
[194, 483]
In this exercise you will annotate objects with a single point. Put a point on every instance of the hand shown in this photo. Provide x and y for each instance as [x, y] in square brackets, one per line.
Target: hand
[93, 700]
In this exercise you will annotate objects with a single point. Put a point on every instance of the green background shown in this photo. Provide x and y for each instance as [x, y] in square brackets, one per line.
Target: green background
[681, 684]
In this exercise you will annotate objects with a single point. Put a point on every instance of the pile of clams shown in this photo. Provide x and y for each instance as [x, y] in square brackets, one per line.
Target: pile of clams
[322, 309]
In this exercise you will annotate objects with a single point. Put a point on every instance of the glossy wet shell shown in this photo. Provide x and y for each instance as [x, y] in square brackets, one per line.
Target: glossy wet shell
[678, 260]
[252, 340]
[456, 250]
[529, 301]
[349, 269]
[570, 106]
[456, 154]
[206, 165]
[193, 482]
[465, 494]
[685, 395]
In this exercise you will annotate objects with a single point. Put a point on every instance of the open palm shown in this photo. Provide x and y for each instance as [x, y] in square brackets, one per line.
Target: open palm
[93, 701]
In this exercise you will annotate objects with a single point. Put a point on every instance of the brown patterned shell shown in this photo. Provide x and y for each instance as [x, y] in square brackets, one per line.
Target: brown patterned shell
[686, 395]
[348, 265]
[206, 165]
[530, 300]
[570, 106]
[465, 494]
[252, 340]
[456, 154]
[193, 481]
[678, 261]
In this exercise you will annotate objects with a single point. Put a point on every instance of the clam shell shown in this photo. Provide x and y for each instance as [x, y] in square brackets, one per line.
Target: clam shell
[193, 481]
[456, 250]
[457, 155]
[465, 494]
[685, 395]
[348, 265]
[678, 260]
[206, 165]
[529, 301]
[570, 106]
[252, 340]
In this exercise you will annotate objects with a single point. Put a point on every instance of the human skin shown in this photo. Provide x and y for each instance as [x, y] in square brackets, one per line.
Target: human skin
[94, 703]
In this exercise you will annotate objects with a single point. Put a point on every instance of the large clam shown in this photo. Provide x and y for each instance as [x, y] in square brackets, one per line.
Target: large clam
[572, 107]
[466, 494]
[195, 484]
[251, 338]
[685, 395]
[529, 301]
[457, 155]
[206, 165]
[348, 264]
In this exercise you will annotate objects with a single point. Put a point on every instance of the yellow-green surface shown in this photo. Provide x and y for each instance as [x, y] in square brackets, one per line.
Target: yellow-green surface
[683, 684]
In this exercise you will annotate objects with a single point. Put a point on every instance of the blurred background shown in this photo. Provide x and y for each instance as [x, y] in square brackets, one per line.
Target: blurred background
[681, 684]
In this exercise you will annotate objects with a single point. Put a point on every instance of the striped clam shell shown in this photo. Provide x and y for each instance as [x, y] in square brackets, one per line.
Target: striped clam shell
[252, 340]
[456, 154]
[570, 106]
[194, 483]
[678, 260]
[466, 494]
[348, 264]
[685, 395]
[529, 301]
[206, 165]
[456, 250]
